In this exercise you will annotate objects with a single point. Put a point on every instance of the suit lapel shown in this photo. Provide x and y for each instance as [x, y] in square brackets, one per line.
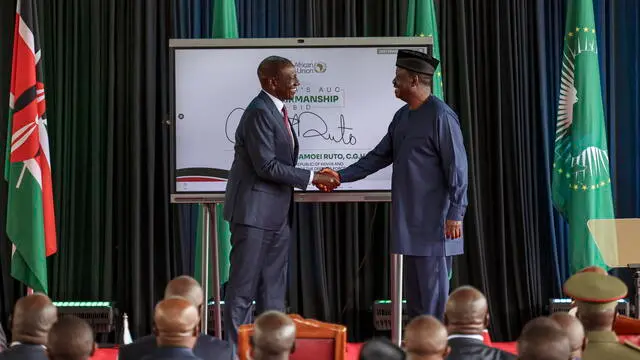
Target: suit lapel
[279, 118]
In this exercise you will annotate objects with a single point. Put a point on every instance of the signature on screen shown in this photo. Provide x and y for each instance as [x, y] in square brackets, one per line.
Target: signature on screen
[307, 124]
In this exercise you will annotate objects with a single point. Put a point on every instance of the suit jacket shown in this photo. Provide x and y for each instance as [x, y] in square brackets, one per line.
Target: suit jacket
[429, 180]
[24, 352]
[473, 349]
[171, 354]
[207, 347]
[263, 172]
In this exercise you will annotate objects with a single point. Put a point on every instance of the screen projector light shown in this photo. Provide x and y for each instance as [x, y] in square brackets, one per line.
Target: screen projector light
[99, 314]
[382, 314]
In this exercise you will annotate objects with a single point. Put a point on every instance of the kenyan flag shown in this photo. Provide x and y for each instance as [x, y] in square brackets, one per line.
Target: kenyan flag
[31, 223]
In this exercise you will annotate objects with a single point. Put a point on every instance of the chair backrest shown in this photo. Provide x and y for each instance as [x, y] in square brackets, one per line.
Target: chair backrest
[314, 340]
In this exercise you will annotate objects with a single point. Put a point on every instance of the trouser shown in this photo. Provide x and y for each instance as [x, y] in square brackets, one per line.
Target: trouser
[427, 285]
[258, 271]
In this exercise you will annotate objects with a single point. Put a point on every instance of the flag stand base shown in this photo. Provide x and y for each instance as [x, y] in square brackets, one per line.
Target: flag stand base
[209, 225]
[396, 299]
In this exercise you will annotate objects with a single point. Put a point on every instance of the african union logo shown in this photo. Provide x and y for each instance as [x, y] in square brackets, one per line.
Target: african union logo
[320, 67]
[581, 155]
[309, 67]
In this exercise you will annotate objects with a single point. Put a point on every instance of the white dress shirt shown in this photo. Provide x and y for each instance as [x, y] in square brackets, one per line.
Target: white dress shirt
[475, 337]
[280, 105]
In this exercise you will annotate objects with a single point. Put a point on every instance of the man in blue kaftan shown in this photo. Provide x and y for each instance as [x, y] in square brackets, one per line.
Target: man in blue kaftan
[429, 183]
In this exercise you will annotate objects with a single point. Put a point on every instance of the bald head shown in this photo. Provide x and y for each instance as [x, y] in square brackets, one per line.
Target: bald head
[176, 321]
[33, 317]
[380, 348]
[185, 287]
[573, 327]
[425, 338]
[467, 311]
[543, 339]
[595, 269]
[71, 338]
[274, 336]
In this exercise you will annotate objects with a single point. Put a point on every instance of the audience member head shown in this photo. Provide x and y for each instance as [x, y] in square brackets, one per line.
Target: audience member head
[185, 287]
[274, 336]
[596, 296]
[32, 319]
[543, 339]
[278, 77]
[71, 338]
[176, 323]
[426, 338]
[467, 312]
[575, 331]
[381, 349]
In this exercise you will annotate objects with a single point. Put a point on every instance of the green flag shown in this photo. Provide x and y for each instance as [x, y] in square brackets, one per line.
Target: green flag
[225, 26]
[225, 21]
[581, 180]
[31, 225]
[421, 21]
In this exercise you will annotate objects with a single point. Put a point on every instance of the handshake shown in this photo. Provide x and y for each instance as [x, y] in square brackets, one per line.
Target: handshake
[326, 180]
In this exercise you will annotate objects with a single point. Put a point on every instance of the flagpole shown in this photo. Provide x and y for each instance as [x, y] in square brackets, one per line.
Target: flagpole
[217, 320]
[205, 268]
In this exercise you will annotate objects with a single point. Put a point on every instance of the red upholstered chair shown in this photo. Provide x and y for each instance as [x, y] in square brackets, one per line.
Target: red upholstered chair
[314, 340]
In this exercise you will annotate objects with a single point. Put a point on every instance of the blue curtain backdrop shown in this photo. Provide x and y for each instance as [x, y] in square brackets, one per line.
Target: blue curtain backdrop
[617, 27]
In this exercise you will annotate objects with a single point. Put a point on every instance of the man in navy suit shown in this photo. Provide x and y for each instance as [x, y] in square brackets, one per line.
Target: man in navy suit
[429, 183]
[207, 347]
[259, 197]
[176, 328]
[33, 317]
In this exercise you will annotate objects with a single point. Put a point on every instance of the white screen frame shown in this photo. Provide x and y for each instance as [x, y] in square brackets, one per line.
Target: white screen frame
[301, 196]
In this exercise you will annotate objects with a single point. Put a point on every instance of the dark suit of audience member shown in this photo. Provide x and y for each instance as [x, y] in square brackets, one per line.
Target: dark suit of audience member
[466, 317]
[33, 317]
[468, 347]
[176, 328]
[25, 352]
[206, 347]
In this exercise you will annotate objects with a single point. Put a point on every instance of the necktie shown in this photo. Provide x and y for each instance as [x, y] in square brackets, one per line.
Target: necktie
[286, 122]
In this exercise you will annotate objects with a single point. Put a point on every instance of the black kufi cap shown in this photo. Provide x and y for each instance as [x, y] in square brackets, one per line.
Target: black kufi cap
[417, 61]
